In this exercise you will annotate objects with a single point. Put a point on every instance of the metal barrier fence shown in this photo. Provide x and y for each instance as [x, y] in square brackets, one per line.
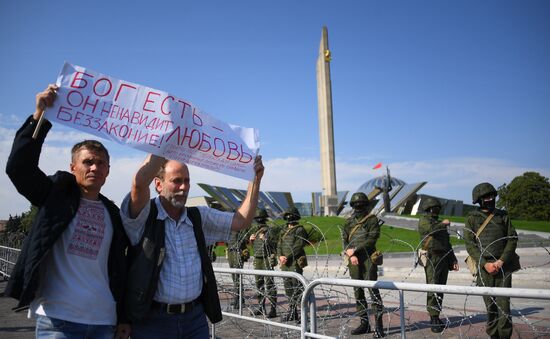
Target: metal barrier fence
[308, 302]
[416, 287]
[8, 257]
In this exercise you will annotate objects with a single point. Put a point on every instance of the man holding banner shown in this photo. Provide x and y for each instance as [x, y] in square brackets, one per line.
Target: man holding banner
[71, 272]
[171, 283]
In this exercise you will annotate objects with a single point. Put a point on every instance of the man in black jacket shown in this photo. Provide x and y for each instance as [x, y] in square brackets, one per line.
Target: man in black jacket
[71, 272]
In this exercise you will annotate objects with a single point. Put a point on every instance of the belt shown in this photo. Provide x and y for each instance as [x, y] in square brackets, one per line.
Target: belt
[234, 250]
[175, 308]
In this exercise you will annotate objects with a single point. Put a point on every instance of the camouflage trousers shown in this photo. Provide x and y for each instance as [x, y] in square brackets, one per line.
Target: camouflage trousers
[437, 272]
[366, 270]
[293, 288]
[265, 284]
[499, 321]
[235, 261]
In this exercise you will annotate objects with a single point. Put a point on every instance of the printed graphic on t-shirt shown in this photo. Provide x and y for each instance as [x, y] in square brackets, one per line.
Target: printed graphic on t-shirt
[89, 230]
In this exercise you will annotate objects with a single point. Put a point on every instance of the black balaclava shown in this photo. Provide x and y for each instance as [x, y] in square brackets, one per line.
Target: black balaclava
[488, 202]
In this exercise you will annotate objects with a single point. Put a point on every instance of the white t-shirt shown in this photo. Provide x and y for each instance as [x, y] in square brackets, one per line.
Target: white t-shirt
[75, 281]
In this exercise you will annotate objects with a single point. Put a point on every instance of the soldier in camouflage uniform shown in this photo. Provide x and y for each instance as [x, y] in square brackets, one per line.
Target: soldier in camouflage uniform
[237, 254]
[360, 233]
[494, 251]
[292, 257]
[265, 258]
[211, 250]
[441, 258]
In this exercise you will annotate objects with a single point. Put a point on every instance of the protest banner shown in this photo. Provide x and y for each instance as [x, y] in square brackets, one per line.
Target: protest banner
[152, 121]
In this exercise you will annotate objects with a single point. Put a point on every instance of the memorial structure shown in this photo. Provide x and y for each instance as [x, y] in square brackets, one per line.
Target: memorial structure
[329, 197]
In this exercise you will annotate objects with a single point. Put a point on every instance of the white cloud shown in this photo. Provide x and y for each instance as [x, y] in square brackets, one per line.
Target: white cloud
[452, 178]
[455, 177]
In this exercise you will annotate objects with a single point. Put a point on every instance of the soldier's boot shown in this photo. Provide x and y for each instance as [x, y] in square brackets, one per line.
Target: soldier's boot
[260, 309]
[235, 303]
[364, 327]
[296, 315]
[436, 324]
[291, 315]
[379, 327]
[272, 311]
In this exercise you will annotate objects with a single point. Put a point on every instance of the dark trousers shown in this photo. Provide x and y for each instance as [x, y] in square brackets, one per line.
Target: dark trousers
[293, 287]
[235, 261]
[437, 272]
[499, 321]
[366, 270]
[158, 325]
[265, 285]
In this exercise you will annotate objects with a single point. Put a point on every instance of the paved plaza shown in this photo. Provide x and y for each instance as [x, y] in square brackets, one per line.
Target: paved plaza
[465, 315]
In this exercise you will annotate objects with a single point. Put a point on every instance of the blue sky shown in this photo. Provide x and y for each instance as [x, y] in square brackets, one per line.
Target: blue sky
[449, 92]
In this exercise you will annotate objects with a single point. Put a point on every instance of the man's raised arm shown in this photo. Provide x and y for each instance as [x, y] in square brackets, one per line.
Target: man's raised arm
[246, 212]
[140, 194]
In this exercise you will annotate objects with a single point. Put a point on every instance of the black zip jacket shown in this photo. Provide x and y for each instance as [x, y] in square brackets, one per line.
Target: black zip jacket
[58, 198]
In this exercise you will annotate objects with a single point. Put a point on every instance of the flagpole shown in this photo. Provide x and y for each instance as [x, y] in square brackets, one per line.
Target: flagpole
[38, 125]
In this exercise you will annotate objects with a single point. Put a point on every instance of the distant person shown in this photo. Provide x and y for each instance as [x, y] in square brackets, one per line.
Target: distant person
[211, 250]
[491, 241]
[71, 272]
[237, 255]
[440, 257]
[360, 234]
[264, 242]
[292, 258]
[172, 287]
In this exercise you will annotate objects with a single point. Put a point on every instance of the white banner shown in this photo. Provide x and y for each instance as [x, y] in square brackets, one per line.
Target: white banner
[152, 121]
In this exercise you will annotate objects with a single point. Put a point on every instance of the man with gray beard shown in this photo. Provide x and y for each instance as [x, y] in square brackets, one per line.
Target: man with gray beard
[171, 283]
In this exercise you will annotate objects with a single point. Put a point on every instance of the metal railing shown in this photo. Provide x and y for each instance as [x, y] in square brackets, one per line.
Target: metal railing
[9, 255]
[416, 287]
[8, 258]
[308, 302]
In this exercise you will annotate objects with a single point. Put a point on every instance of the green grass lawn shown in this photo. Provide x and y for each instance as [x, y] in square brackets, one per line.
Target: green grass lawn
[392, 239]
[540, 226]
[329, 240]
[325, 232]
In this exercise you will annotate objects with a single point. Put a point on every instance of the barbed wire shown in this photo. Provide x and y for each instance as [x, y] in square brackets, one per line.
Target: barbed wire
[336, 314]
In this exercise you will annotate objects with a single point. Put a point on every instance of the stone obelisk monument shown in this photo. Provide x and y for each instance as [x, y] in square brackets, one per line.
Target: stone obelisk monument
[329, 198]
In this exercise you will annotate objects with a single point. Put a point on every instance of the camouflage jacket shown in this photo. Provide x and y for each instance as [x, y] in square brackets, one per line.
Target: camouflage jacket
[238, 240]
[430, 227]
[292, 242]
[363, 238]
[268, 245]
[497, 241]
